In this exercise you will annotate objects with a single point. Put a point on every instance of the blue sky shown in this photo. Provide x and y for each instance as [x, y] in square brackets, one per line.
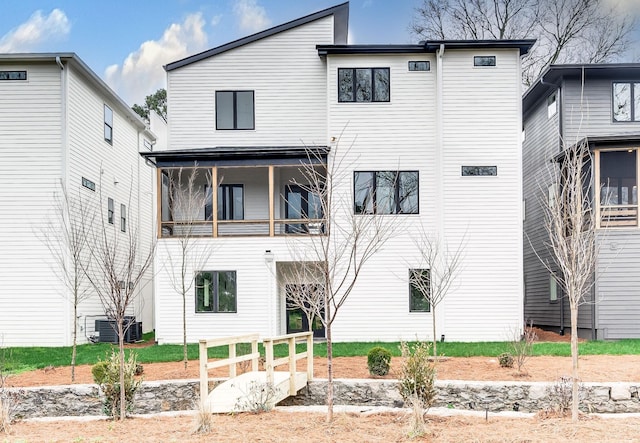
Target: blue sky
[126, 42]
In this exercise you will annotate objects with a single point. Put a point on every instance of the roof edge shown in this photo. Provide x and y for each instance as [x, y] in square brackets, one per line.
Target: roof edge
[340, 34]
[429, 46]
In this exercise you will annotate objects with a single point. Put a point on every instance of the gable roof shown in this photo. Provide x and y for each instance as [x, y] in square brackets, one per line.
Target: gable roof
[92, 78]
[340, 31]
[552, 76]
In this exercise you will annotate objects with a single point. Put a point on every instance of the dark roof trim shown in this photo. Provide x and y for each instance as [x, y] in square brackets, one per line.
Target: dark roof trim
[622, 141]
[340, 33]
[238, 155]
[429, 46]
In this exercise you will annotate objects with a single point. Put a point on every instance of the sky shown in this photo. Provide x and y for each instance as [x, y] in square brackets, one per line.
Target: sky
[126, 42]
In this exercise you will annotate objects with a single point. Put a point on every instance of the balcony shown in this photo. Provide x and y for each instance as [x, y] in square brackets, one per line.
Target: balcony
[248, 199]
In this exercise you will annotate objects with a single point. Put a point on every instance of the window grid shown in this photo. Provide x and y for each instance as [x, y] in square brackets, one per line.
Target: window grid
[364, 85]
[625, 102]
[386, 192]
[232, 110]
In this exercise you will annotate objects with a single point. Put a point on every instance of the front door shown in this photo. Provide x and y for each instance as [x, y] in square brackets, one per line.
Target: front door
[297, 320]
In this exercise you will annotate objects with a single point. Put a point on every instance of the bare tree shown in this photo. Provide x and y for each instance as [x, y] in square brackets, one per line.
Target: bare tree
[304, 290]
[567, 31]
[571, 227]
[189, 192]
[118, 265]
[65, 235]
[347, 243]
[439, 268]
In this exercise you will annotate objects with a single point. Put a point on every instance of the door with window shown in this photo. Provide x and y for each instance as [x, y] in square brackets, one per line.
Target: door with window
[300, 204]
[297, 318]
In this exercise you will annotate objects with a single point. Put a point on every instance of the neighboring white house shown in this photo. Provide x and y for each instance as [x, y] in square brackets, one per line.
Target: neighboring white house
[443, 118]
[60, 123]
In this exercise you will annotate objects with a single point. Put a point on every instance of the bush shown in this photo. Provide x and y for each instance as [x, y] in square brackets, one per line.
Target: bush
[106, 374]
[506, 360]
[379, 361]
[417, 383]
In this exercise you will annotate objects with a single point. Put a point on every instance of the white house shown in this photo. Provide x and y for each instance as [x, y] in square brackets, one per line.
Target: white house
[442, 118]
[61, 124]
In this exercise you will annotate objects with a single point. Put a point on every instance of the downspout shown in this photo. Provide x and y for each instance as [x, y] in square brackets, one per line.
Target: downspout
[440, 162]
[560, 103]
[64, 173]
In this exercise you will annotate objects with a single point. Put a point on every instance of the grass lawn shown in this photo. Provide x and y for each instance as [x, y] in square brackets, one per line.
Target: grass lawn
[29, 358]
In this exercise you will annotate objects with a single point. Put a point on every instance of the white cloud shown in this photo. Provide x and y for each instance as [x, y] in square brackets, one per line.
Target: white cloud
[37, 30]
[142, 74]
[251, 16]
[215, 20]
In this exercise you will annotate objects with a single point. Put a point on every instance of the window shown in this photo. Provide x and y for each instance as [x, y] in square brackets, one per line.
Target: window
[234, 110]
[419, 290]
[88, 184]
[420, 66]
[552, 105]
[123, 218]
[13, 75]
[216, 291]
[626, 102]
[108, 124]
[386, 192]
[301, 203]
[473, 171]
[363, 85]
[484, 60]
[110, 211]
[618, 188]
[553, 289]
[230, 203]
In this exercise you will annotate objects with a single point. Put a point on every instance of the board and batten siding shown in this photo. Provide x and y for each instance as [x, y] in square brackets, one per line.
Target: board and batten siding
[32, 304]
[118, 172]
[618, 284]
[588, 111]
[481, 118]
[293, 113]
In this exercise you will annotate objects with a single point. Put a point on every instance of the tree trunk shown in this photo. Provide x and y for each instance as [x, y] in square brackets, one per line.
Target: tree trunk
[574, 363]
[123, 406]
[75, 340]
[184, 329]
[329, 375]
[435, 340]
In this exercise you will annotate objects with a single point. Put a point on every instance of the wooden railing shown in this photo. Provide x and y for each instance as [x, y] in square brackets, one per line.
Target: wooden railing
[231, 361]
[255, 227]
[618, 215]
[291, 359]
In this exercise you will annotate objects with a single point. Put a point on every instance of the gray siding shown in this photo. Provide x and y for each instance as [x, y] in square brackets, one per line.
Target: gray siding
[618, 284]
[588, 112]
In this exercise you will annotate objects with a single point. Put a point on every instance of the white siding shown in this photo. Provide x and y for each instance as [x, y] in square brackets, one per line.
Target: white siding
[288, 78]
[32, 307]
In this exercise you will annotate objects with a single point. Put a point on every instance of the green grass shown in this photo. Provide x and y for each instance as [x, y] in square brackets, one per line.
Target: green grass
[16, 360]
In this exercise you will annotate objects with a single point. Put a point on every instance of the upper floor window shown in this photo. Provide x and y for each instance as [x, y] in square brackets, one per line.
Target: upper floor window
[626, 102]
[108, 124]
[484, 60]
[13, 75]
[110, 211]
[419, 65]
[363, 84]
[230, 203]
[386, 192]
[88, 184]
[618, 188]
[552, 105]
[474, 171]
[123, 218]
[235, 110]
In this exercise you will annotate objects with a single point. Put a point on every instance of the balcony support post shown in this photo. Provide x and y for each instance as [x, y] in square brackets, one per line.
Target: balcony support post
[271, 203]
[214, 197]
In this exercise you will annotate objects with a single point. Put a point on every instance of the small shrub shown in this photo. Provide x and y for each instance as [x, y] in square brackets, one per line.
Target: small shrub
[561, 395]
[106, 374]
[260, 397]
[522, 346]
[379, 361]
[203, 421]
[417, 382]
[506, 360]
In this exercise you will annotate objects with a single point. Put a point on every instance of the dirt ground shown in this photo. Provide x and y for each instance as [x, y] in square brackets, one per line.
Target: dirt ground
[279, 426]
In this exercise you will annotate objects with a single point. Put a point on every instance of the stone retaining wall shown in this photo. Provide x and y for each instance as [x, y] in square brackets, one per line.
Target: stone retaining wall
[181, 395]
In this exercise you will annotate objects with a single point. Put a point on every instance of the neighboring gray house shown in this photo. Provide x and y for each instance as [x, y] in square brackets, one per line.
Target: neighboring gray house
[600, 104]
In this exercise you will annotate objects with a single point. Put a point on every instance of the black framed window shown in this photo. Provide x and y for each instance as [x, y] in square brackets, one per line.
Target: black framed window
[301, 203]
[110, 211]
[419, 290]
[123, 218]
[108, 124]
[216, 291]
[13, 75]
[235, 110]
[88, 184]
[484, 60]
[386, 192]
[230, 203]
[363, 85]
[423, 65]
[626, 101]
[474, 171]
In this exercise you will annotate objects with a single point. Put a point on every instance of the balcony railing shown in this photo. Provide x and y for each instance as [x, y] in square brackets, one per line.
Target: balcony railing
[229, 228]
[618, 215]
